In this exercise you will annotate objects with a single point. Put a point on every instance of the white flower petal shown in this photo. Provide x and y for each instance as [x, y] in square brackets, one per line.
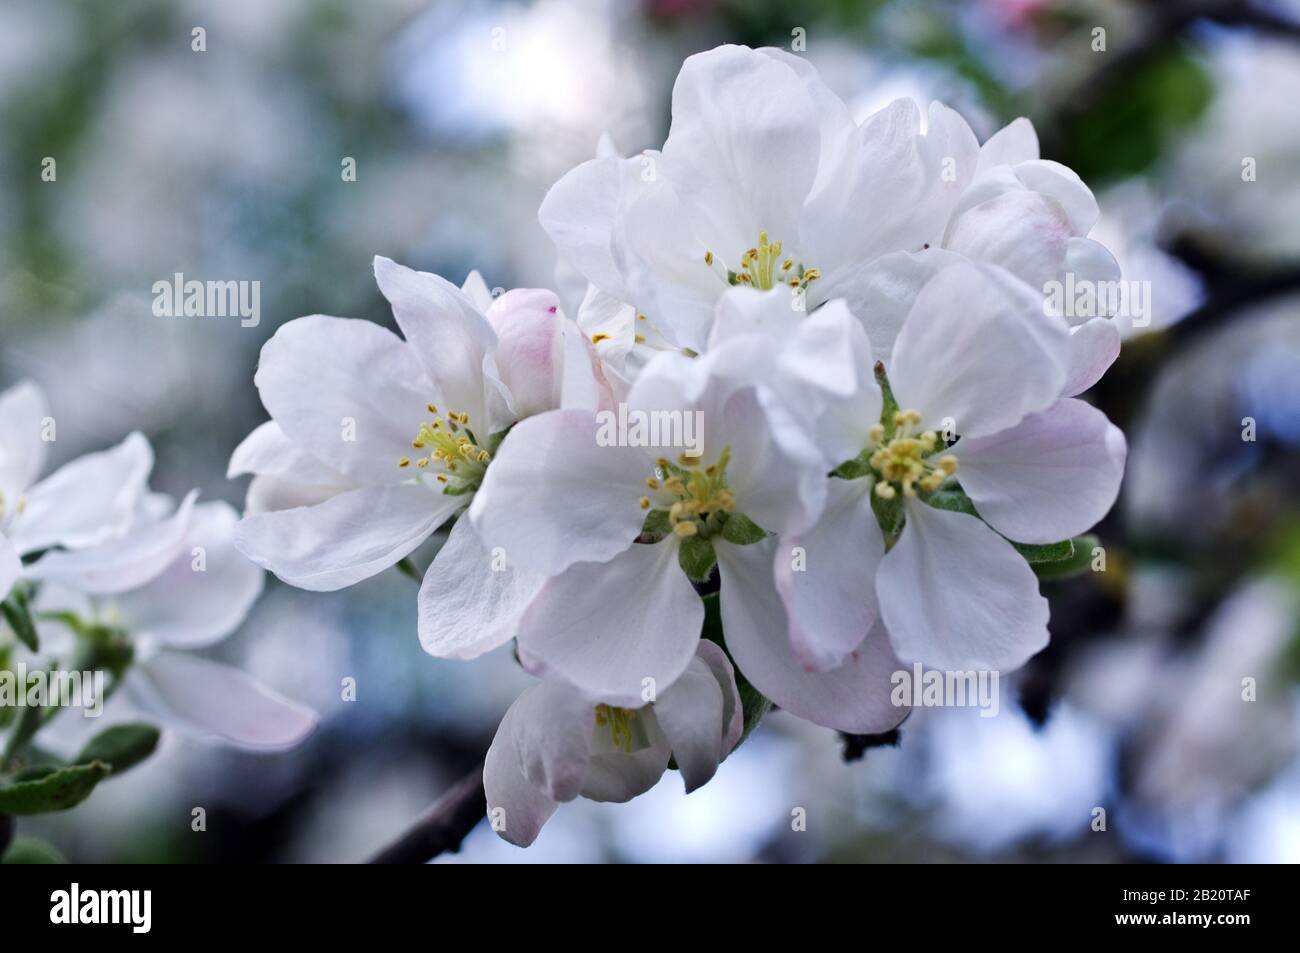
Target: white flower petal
[23, 409]
[518, 808]
[733, 714]
[349, 393]
[552, 731]
[978, 349]
[347, 538]
[189, 607]
[853, 697]
[619, 776]
[452, 339]
[214, 700]
[955, 596]
[1014, 143]
[471, 601]
[831, 595]
[1050, 477]
[1094, 346]
[690, 714]
[476, 289]
[530, 348]
[268, 451]
[86, 502]
[553, 496]
[607, 627]
[123, 564]
[743, 148]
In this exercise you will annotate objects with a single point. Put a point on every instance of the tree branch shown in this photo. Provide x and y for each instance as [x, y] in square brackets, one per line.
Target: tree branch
[443, 826]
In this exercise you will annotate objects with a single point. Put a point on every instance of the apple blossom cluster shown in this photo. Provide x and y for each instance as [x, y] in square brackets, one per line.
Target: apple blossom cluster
[887, 436]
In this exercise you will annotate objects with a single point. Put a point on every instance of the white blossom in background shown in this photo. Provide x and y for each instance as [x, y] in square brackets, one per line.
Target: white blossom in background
[556, 743]
[174, 585]
[84, 503]
[377, 440]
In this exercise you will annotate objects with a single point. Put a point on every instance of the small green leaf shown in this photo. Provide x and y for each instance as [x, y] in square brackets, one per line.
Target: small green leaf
[31, 850]
[19, 617]
[742, 530]
[120, 747]
[55, 791]
[953, 500]
[889, 512]
[696, 557]
[1076, 564]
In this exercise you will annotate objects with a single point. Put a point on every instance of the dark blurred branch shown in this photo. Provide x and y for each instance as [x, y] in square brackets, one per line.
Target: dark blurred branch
[443, 826]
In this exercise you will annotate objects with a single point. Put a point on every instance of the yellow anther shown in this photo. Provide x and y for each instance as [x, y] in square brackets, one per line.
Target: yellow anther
[597, 338]
[644, 502]
[686, 529]
[652, 483]
[885, 491]
[404, 462]
[876, 433]
[708, 258]
[430, 408]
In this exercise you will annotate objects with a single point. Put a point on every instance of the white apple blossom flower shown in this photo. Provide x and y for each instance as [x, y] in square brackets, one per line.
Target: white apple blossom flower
[765, 179]
[341, 495]
[976, 360]
[556, 743]
[173, 585]
[612, 524]
[85, 502]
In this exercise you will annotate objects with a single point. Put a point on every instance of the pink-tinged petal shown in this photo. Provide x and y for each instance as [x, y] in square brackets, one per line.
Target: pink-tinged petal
[349, 393]
[23, 410]
[11, 567]
[516, 808]
[86, 502]
[347, 538]
[552, 730]
[690, 714]
[608, 627]
[1093, 349]
[553, 496]
[733, 715]
[452, 339]
[1052, 476]
[955, 596]
[853, 697]
[830, 592]
[471, 599]
[1014, 143]
[1024, 232]
[210, 699]
[978, 352]
[204, 594]
[529, 354]
[124, 564]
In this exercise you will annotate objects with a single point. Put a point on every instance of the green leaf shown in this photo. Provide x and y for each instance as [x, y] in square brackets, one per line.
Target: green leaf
[31, 850]
[120, 747]
[1079, 561]
[19, 617]
[57, 790]
[742, 530]
[695, 555]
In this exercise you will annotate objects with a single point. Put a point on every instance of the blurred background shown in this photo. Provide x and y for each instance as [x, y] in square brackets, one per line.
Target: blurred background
[459, 114]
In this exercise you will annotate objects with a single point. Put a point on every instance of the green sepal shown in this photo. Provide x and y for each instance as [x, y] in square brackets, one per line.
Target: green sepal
[121, 747]
[53, 790]
[696, 557]
[657, 524]
[889, 512]
[955, 500]
[19, 616]
[1076, 564]
[740, 530]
